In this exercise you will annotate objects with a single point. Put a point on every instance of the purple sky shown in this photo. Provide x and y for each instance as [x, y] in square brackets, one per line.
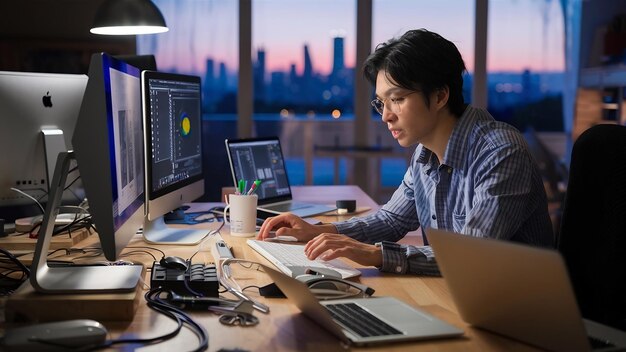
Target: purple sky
[523, 34]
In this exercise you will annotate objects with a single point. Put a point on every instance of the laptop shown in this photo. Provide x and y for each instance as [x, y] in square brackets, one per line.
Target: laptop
[519, 291]
[363, 321]
[262, 159]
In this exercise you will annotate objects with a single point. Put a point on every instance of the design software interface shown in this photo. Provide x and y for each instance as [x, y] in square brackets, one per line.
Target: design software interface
[262, 160]
[175, 132]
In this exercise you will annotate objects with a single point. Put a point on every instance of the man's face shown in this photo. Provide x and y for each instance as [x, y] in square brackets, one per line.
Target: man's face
[405, 112]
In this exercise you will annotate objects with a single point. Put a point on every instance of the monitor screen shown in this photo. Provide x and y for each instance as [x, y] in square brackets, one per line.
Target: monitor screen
[175, 133]
[173, 137]
[31, 104]
[262, 159]
[108, 143]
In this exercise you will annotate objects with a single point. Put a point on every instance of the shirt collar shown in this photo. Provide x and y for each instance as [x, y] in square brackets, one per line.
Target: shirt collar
[456, 150]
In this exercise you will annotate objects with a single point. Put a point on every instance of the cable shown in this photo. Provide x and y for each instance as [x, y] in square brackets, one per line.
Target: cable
[232, 286]
[212, 233]
[125, 254]
[8, 282]
[43, 211]
[152, 297]
[158, 306]
[147, 247]
[71, 183]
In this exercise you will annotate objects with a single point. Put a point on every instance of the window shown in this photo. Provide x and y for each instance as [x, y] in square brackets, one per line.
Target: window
[525, 63]
[303, 72]
[203, 41]
[452, 19]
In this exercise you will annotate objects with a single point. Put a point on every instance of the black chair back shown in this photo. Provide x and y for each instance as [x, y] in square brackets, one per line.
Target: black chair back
[593, 229]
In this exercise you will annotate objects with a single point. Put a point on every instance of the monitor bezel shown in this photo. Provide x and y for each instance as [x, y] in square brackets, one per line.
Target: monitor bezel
[164, 200]
[267, 200]
[93, 141]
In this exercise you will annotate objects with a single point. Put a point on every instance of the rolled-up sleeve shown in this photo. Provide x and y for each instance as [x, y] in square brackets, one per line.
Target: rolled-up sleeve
[406, 259]
[392, 222]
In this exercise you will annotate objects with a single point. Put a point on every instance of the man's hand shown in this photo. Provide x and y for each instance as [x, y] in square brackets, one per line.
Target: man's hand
[291, 225]
[329, 246]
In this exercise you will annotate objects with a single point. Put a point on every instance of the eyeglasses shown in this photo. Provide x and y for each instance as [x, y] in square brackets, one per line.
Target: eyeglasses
[395, 107]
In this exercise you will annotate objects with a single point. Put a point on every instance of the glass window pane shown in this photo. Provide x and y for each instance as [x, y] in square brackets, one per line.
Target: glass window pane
[453, 20]
[303, 68]
[525, 63]
[203, 41]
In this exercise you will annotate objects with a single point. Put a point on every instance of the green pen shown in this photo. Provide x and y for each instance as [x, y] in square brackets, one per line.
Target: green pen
[240, 188]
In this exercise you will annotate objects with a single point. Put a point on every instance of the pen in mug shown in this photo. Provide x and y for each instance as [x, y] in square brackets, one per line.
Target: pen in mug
[240, 188]
[254, 187]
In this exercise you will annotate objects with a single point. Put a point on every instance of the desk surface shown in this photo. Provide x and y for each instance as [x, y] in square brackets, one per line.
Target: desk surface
[284, 328]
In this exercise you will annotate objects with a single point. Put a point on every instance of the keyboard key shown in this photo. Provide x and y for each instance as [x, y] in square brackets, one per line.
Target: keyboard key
[356, 319]
[285, 256]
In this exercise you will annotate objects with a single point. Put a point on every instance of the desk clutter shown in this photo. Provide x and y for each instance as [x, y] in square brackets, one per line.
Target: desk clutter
[24, 242]
[200, 279]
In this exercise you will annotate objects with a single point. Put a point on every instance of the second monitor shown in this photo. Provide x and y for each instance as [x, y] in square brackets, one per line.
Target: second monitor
[173, 145]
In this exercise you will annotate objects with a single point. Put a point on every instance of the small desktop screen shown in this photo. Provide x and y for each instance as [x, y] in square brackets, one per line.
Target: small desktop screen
[174, 163]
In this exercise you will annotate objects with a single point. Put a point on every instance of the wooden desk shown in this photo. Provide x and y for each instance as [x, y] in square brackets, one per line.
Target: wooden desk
[284, 328]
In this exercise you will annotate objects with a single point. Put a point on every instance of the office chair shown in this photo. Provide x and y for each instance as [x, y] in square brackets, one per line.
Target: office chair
[593, 229]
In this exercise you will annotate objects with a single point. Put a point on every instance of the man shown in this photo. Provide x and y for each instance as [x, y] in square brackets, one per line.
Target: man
[469, 173]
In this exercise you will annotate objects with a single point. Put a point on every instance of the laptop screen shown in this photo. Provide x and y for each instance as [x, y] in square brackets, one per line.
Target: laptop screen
[260, 159]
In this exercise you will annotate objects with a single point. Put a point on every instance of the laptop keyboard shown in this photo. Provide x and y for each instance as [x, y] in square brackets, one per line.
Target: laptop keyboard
[599, 343]
[359, 321]
[286, 256]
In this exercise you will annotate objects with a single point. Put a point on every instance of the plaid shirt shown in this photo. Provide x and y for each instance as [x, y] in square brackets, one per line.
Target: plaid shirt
[487, 186]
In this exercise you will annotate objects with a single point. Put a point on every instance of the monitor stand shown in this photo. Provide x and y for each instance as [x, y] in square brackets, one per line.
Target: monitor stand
[73, 279]
[157, 232]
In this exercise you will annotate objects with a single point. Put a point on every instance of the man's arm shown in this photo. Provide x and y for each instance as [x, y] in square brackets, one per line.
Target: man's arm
[392, 221]
[406, 259]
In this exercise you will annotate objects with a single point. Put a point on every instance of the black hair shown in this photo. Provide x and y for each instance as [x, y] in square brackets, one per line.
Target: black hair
[421, 60]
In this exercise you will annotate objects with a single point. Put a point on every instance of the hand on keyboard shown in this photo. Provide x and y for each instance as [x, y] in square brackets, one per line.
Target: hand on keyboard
[288, 225]
[289, 257]
[332, 246]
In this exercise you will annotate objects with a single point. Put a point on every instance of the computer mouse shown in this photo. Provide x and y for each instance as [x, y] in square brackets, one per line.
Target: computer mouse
[173, 262]
[56, 336]
[325, 272]
[317, 281]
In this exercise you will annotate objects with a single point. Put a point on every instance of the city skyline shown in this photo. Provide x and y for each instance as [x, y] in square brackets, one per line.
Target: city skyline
[314, 94]
[202, 30]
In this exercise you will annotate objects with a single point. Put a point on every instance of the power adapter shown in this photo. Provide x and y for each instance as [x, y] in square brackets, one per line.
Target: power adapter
[200, 278]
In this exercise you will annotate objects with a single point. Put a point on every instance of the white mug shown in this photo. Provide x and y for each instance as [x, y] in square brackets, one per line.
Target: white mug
[242, 217]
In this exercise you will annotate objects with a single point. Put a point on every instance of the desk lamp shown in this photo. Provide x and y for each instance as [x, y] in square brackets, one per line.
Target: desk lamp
[128, 17]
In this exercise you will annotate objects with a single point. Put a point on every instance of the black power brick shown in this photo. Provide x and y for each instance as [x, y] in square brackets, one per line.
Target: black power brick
[201, 278]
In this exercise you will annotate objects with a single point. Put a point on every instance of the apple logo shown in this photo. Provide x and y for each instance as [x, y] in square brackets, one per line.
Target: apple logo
[47, 100]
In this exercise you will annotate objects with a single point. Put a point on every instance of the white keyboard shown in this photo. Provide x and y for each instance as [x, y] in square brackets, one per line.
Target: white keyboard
[288, 257]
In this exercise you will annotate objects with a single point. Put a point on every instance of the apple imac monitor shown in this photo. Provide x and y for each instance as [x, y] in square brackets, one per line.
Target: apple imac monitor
[38, 113]
[108, 147]
[172, 120]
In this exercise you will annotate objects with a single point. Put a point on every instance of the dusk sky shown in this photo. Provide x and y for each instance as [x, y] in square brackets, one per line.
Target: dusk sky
[523, 33]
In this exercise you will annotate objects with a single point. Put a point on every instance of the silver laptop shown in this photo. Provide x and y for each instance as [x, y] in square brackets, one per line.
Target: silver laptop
[262, 159]
[363, 321]
[519, 291]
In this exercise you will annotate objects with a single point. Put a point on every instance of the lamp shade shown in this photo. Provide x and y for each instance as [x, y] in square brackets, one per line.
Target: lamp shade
[127, 17]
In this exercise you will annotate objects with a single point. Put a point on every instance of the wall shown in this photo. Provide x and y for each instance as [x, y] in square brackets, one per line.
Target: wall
[53, 36]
